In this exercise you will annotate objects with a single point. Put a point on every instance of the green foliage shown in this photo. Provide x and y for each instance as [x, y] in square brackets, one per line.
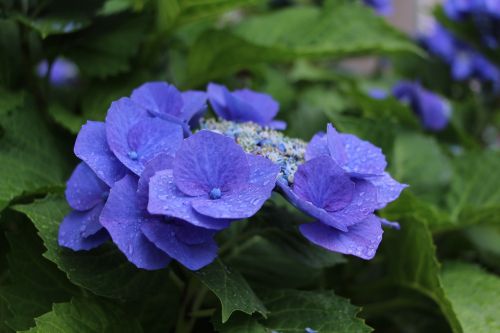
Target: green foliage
[85, 316]
[232, 290]
[475, 296]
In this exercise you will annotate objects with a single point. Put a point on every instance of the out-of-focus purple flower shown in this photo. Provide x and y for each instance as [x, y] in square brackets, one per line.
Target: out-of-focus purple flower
[383, 7]
[86, 195]
[343, 207]
[244, 105]
[165, 101]
[213, 182]
[62, 72]
[359, 158]
[461, 9]
[465, 62]
[135, 137]
[433, 111]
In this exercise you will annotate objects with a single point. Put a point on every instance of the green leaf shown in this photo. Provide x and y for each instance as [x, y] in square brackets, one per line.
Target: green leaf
[11, 69]
[32, 161]
[231, 288]
[301, 32]
[294, 310]
[35, 282]
[474, 295]
[419, 162]
[105, 49]
[412, 264]
[486, 239]
[85, 316]
[195, 10]
[47, 26]
[475, 195]
[105, 271]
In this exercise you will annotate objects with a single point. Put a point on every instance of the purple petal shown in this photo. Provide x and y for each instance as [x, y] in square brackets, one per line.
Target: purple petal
[362, 157]
[150, 137]
[361, 240]
[82, 230]
[243, 202]
[317, 147]
[190, 234]
[92, 147]
[193, 256]
[159, 163]
[307, 207]
[323, 183]
[84, 190]
[135, 137]
[336, 146]
[123, 217]
[364, 202]
[166, 199]
[388, 189]
[264, 106]
[208, 160]
[195, 104]
[159, 98]
[217, 100]
[277, 125]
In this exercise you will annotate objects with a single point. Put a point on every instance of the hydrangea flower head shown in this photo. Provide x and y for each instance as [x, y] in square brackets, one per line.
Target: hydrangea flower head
[165, 101]
[212, 182]
[433, 111]
[244, 105]
[63, 72]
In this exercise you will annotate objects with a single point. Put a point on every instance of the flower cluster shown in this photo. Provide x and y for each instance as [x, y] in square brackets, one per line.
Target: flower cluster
[465, 62]
[161, 192]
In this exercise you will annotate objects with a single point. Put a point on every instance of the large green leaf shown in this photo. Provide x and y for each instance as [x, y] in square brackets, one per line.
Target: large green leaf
[85, 315]
[412, 264]
[293, 311]
[31, 157]
[301, 32]
[35, 282]
[419, 162]
[475, 191]
[474, 295]
[105, 271]
[231, 288]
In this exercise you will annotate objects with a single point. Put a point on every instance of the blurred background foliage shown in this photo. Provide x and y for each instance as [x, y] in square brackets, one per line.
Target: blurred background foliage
[439, 273]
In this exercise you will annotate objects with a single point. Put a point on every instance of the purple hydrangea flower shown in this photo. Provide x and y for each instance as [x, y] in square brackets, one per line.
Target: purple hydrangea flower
[343, 207]
[165, 101]
[86, 195]
[149, 241]
[461, 9]
[135, 137]
[433, 111]
[383, 7]
[341, 184]
[212, 182]
[244, 105]
[62, 72]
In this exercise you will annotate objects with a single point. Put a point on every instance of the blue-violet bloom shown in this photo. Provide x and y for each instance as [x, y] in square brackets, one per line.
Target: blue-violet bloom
[383, 7]
[167, 102]
[244, 105]
[212, 182]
